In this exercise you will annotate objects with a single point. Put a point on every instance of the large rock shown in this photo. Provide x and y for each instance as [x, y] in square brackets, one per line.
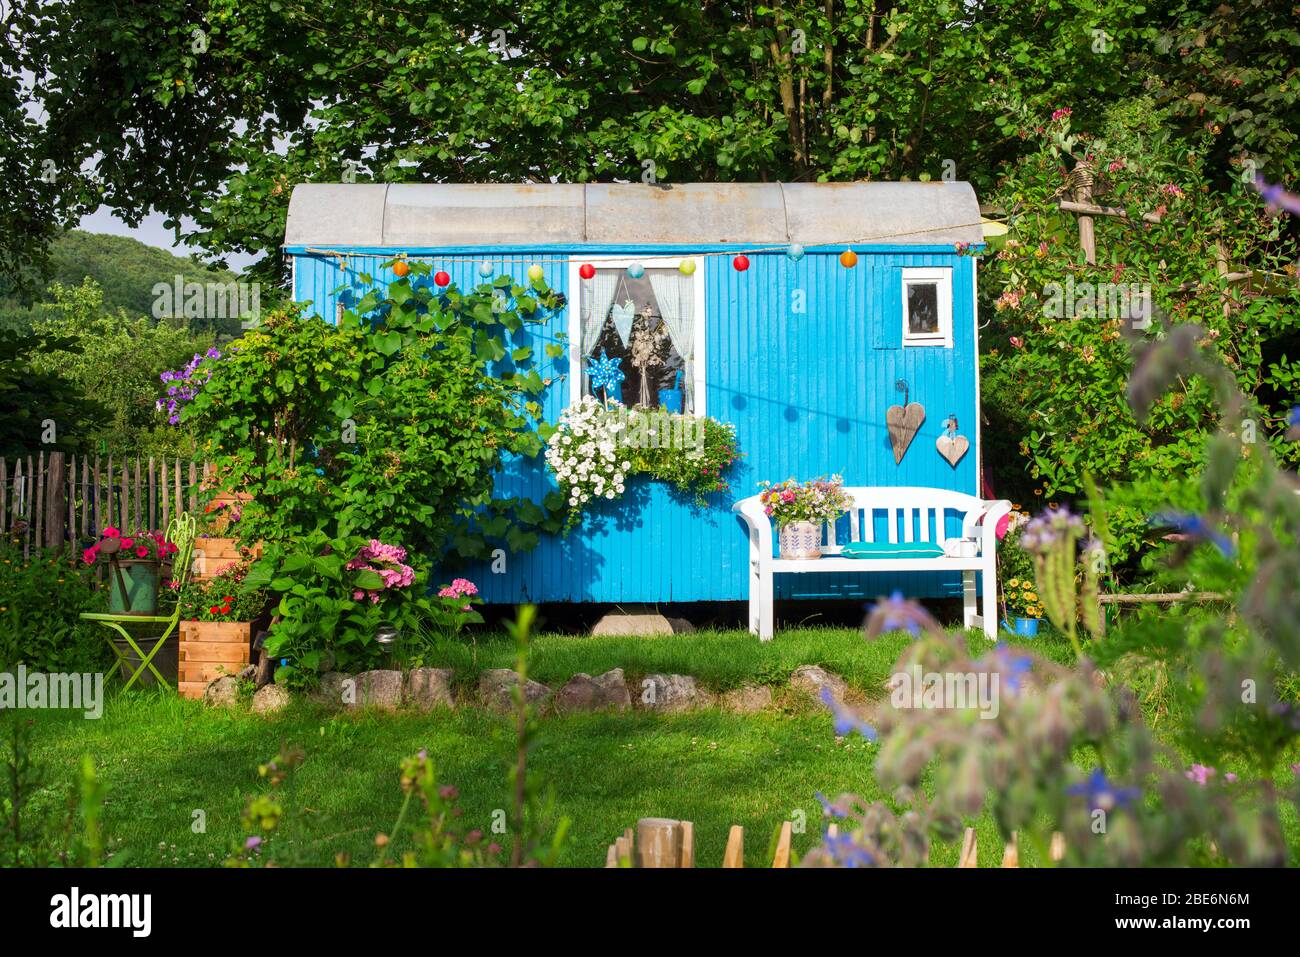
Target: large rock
[379, 689]
[335, 690]
[639, 620]
[669, 693]
[496, 689]
[582, 692]
[222, 692]
[811, 679]
[747, 699]
[270, 698]
[428, 688]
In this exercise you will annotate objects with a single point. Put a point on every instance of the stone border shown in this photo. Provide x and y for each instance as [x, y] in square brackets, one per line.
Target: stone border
[423, 689]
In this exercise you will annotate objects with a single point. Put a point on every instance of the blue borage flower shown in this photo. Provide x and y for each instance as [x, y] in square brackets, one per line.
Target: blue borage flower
[1101, 794]
[1196, 528]
[897, 613]
[846, 722]
[1011, 665]
[834, 810]
[845, 850]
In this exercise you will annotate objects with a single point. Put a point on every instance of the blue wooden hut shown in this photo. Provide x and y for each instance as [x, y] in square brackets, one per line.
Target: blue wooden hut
[802, 354]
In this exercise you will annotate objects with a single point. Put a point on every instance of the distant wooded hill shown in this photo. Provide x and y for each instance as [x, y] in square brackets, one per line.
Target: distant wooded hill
[125, 269]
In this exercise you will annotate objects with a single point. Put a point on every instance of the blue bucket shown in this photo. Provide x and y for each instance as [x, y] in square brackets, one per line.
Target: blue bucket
[1027, 627]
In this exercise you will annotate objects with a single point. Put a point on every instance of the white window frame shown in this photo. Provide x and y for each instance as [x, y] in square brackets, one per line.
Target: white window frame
[941, 276]
[622, 262]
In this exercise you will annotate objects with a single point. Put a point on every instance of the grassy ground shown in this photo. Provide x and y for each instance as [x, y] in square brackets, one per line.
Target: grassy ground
[162, 759]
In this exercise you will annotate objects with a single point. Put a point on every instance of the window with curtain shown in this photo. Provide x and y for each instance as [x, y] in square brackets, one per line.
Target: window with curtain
[649, 324]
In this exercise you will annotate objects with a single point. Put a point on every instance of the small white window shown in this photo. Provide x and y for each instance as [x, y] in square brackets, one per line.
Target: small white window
[927, 307]
[653, 323]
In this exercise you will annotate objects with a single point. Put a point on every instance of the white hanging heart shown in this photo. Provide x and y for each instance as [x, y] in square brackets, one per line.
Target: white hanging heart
[623, 317]
[952, 447]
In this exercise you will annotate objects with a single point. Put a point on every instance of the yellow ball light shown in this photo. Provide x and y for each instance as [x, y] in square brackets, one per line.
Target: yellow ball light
[687, 267]
[536, 273]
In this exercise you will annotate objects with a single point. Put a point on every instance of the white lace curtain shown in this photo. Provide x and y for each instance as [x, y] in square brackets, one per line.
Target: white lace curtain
[597, 297]
[676, 297]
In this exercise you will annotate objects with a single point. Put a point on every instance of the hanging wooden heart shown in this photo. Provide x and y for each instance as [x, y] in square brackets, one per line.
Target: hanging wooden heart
[903, 421]
[952, 447]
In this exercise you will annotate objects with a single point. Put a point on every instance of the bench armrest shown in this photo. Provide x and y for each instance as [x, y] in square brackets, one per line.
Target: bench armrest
[760, 527]
[986, 516]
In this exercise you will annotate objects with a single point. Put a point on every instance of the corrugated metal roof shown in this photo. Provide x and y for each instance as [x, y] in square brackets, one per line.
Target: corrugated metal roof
[446, 214]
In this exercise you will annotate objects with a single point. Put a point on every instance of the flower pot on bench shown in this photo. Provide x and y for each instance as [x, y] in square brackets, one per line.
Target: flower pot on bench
[208, 650]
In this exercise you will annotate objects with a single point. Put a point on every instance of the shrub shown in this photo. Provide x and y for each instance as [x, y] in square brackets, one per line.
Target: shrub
[40, 599]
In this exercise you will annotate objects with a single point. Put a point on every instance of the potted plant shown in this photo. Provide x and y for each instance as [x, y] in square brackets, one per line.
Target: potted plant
[1021, 607]
[799, 509]
[217, 617]
[134, 563]
[219, 543]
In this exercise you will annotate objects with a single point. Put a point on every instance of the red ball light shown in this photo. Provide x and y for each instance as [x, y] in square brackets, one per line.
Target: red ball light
[586, 270]
[441, 278]
[741, 263]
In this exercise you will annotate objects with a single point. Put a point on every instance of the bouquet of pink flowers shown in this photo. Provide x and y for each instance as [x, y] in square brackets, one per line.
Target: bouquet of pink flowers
[138, 546]
[379, 568]
[821, 500]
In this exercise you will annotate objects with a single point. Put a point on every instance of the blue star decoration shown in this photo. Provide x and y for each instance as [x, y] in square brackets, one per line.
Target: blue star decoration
[604, 372]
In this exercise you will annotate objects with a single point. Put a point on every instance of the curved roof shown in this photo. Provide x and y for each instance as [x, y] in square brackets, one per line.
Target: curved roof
[447, 214]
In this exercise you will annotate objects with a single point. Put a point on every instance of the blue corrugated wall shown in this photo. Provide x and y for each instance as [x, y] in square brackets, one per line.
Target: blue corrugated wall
[807, 394]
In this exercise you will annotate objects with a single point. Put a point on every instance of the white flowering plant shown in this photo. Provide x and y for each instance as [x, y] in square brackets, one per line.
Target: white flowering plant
[596, 447]
[584, 454]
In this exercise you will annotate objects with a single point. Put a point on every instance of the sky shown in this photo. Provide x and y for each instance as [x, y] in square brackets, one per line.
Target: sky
[152, 232]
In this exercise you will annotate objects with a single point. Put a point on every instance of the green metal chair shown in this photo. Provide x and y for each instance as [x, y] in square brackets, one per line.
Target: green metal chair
[181, 532]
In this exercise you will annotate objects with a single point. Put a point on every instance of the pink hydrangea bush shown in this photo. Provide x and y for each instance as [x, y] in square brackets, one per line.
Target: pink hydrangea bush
[385, 561]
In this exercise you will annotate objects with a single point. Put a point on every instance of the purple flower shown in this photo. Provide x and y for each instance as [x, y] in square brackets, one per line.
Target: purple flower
[1011, 665]
[846, 722]
[834, 810]
[846, 851]
[1195, 528]
[253, 843]
[1200, 773]
[896, 613]
[1101, 794]
[1276, 197]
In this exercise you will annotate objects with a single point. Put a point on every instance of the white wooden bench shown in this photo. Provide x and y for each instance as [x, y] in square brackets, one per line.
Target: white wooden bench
[909, 515]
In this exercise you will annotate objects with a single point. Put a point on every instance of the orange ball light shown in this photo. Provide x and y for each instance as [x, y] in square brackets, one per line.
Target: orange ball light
[400, 268]
[848, 259]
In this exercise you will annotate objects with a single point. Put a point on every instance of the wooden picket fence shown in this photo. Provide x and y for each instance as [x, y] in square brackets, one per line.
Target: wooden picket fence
[659, 842]
[50, 499]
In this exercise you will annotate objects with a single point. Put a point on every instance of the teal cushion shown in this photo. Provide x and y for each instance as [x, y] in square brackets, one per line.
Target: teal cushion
[891, 550]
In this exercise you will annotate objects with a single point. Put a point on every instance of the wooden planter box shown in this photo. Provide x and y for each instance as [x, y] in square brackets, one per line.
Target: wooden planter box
[211, 554]
[210, 649]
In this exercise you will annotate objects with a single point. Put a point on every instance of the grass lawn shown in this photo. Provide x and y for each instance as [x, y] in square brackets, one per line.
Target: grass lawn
[162, 759]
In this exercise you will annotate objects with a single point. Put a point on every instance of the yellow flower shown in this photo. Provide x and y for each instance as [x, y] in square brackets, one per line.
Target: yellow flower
[1014, 583]
[1032, 597]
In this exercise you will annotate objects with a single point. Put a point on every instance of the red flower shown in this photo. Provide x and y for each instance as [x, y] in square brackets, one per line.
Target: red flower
[225, 609]
[213, 610]
[141, 552]
[127, 542]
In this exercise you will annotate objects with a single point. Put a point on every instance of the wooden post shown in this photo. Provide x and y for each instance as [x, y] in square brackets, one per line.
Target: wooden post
[177, 476]
[153, 498]
[969, 850]
[734, 856]
[38, 505]
[782, 856]
[126, 500]
[1011, 855]
[85, 497]
[4, 496]
[56, 508]
[109, 512]
[194, 499]
[658, 841]
[687, 856]
[141, 523]
[1083, 180]
[28, 514]
[1057, 850]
